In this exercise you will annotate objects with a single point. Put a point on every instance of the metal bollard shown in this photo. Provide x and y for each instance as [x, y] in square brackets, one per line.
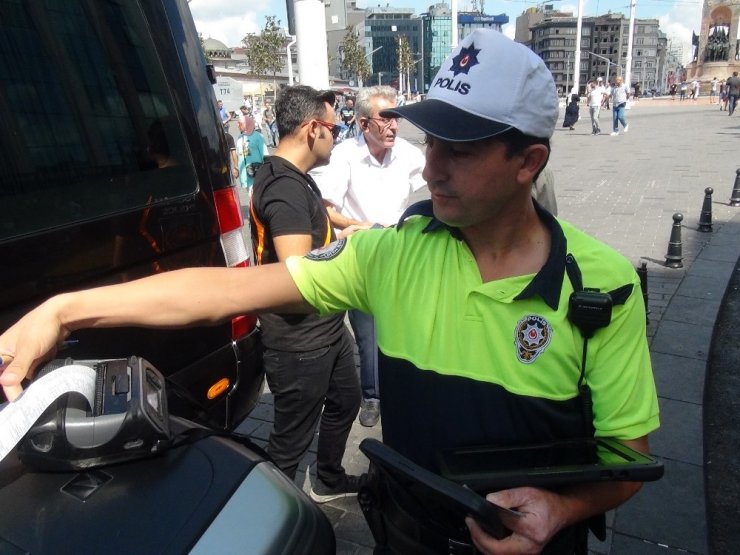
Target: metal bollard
[735, 197]
[642, 273]
[674, 256]
[705, 219]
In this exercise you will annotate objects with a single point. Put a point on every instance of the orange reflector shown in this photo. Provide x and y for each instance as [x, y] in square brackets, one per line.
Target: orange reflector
[218, 388]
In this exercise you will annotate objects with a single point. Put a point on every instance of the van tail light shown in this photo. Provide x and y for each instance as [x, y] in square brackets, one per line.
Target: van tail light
[233, 243]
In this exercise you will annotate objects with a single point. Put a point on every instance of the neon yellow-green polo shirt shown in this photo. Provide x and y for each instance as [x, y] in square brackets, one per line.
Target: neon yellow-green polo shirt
[462, 362]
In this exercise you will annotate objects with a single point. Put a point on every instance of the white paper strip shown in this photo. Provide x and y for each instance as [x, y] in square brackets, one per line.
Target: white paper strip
[18, 417]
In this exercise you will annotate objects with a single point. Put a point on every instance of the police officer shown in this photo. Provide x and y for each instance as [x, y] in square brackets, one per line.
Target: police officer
[470, 298]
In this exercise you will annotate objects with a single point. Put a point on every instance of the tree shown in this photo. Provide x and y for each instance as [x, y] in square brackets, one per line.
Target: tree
[354, 60]
[265, 50]
[405, 60]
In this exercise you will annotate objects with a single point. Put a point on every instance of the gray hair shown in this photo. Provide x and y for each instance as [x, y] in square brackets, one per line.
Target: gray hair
[363, 103]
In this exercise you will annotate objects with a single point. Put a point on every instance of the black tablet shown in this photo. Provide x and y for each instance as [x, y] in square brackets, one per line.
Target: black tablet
[440, 497]
[548, 465]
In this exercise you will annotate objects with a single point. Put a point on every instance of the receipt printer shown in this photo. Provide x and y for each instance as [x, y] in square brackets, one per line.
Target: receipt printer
[128, 421]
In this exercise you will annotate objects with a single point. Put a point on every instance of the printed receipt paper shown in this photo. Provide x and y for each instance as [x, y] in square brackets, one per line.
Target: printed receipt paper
[18, 417]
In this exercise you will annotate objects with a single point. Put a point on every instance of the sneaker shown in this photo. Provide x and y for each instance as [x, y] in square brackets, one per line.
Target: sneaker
[626, 128]
[321, 493]
[614, 133]
[369, 412]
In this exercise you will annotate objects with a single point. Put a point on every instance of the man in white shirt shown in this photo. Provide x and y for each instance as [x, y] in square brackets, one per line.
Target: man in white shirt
[620, 94]
[368, 181]
[596, 96]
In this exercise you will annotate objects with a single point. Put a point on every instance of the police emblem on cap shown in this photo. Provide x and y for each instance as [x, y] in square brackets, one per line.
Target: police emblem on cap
[328, 252]
[466, 58]
[532, 336]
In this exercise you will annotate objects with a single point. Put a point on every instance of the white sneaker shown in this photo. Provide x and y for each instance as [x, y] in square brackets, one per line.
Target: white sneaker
[626, 128]
[614, 133]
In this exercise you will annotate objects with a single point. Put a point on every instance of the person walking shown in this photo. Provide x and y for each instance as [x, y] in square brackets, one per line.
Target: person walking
[713, 90]
[733, 90]
[270, 125]
[250, 150]
[695, 86]
[595, 99]
[309, 359]
[723, 96]
[369, 182]
[224, 115]
[682, 90]
[347, 117]
[476, 343]
[620, 94]
[571, 112]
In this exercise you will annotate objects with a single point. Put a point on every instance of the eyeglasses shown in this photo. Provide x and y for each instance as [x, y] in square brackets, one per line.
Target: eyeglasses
[335, 130]
[383, 123]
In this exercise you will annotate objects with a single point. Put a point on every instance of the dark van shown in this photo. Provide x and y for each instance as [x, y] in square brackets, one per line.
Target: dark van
[113, 166]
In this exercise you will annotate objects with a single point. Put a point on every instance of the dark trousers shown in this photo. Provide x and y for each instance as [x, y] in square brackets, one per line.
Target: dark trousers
[304, 383]
[367, 345]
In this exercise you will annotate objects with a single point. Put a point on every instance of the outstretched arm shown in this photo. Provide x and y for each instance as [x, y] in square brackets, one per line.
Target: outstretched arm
[193, 296]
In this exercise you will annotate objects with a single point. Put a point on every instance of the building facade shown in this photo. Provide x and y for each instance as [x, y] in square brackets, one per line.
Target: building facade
[604, 41]
[384, 27]
[437, 35]
[342, 16]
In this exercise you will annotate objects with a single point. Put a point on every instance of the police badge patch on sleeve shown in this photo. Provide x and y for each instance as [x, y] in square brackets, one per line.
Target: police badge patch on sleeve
[328, 252]
[532, 336]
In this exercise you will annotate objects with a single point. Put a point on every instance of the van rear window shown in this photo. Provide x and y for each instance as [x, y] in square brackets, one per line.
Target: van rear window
[88, 127]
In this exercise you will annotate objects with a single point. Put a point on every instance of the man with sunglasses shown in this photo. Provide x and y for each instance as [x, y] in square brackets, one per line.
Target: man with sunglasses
[369, 181]
[309, 360]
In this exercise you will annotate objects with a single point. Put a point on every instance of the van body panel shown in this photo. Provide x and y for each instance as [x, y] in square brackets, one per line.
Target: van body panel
[110, 150]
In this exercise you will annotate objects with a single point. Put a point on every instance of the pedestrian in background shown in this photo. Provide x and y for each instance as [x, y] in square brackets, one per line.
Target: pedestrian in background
[713, 91]
[620, 95]
[369, 181]
[347, 117]
[270, 125]
[595, 99]
[733, 90]
[571, 112]
[223, 114]
[695, 86]
[250, 150]
[723, 96]
[682, 90]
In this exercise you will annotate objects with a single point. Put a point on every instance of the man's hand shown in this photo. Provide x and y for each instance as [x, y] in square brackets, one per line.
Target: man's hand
[31, 341]
[540, 520]
[349, 230]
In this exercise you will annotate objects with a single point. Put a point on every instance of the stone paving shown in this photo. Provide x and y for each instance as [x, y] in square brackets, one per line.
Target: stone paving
[624, 190]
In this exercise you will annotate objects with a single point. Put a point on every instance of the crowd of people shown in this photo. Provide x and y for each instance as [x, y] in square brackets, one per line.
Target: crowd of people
[470, 338]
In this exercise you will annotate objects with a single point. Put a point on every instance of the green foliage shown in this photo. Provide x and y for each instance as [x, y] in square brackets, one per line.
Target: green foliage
[354, 59]
[405, 58]
[266, 50]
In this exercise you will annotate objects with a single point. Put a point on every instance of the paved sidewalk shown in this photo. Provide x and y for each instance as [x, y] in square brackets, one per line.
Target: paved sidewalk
[624, 190]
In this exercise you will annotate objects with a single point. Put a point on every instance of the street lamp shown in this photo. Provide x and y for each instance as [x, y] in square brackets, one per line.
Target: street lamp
[370, 54]
[607, 60]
